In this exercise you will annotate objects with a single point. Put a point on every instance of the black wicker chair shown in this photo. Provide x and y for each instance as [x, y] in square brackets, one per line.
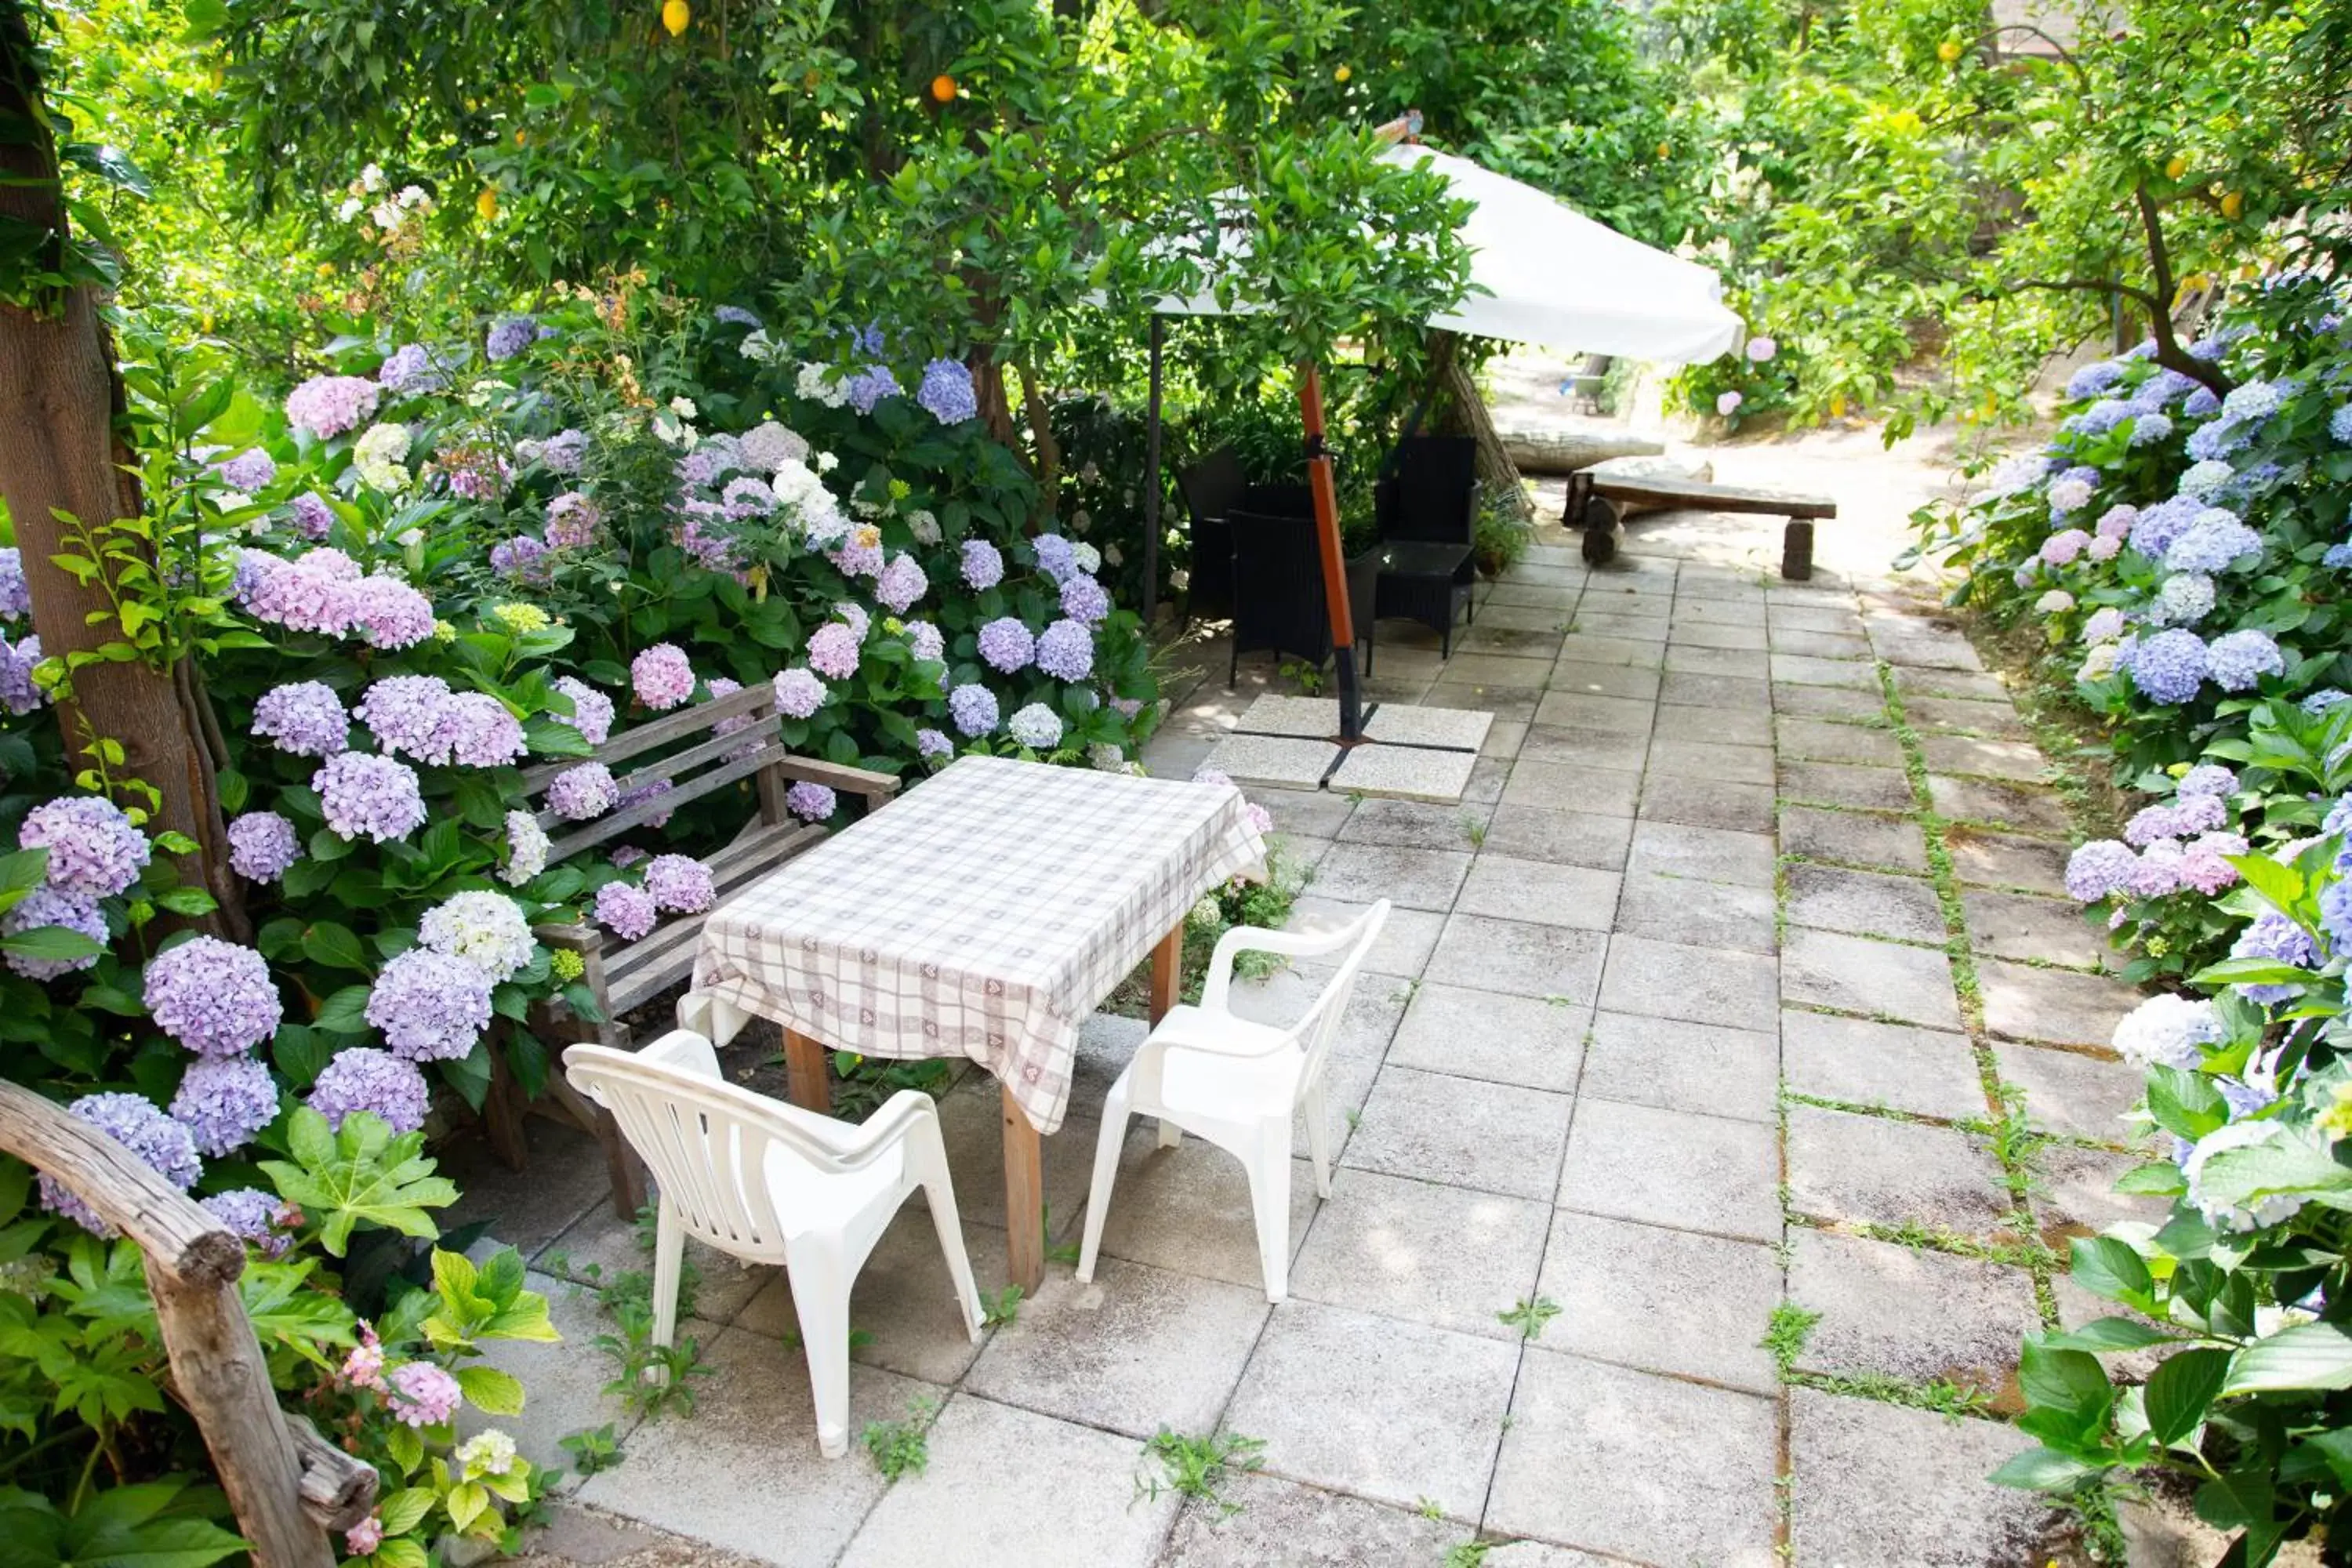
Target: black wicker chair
[1277, 589]
[1428, 514]
[1212, 487]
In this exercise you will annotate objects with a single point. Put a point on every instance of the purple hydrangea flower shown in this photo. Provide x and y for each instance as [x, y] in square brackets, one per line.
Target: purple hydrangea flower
[2094, 379]
[432, 1006]
[1065, 650]
[679, 883]
[361, 1078]
[579, 794]
[627, 913]
[1057, 556]
[522, 558]
[931, 744]
[2211, 443]
[2156, 527]
[983, 565]
[735, 316]
[572, 522]
[404, 713]
[213, 997]
[478, 732]
[2274, 937]
[389, 614]
[2103, 625]
[799, 694]
[133, 1121]
[95, 852]
[2236, 661]
[2170, 666]
[564, 452]
[327, 406]
[1006, 644]
[409, 369]
[662, 676]
[2206, 779]
[48, 906]
[973, 708]
[18, 692]
[645, 792]
[1037, 726]
[16, 593]
[423, 1394]
[870, 386]
[924, 641]
[832, 651]
[252, 1215]
[947, 392]
[2212, 543]
[508, 337]
[313, 518]
[250, 470]
[855, 617]
[901, 583]
[592, 711]
[2061, 548]
[303, 718]
[378, 796]
[223, 1101]
[1083, 599]
[810, 802]
[261, 845]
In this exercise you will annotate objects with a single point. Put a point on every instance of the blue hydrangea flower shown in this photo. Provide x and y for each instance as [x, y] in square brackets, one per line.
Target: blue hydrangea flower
[432, 1006]
[2186, 598]
[974, 707]
[509, 336]
[213, 997]
[2237, 659]
[2338, 557]
[2150, 428]
[2213, 542]
[2156, 527]
[1065, 650]
[2339, 425]
[2211, 443]
[252, 1215]
[2274, 937]
[1085, 599]
[2203, 479]
[983, 565]
[870, 386]
[2206, 779]
[376, 796]
[2094, 379]
[361, 1078]
[223, 1101]
[48, 906]
[2169, 666]
[2098, 869]
[95, 851]
[1006, 644]
[136, 1123]
[2253, 402]
[2320, 701]
[947, 392]
[2201, 401]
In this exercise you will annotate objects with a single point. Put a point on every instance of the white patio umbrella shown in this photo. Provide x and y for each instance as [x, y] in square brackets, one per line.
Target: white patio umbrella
[1540, 272]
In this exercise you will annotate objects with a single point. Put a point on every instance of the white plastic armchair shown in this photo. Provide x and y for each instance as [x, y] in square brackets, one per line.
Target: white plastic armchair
[769, 1183]
[1238, 1084]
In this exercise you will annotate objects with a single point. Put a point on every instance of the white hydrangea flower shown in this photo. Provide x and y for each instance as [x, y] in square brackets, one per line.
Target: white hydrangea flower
[2099, 663]
[488, 1453]
[923, 526]
[377, 456]
[487, 929]
[2203, 479]
[2229, 1217]
[1106, 757]
[1037, 726]
[351, 208]
[1088, 558]
[2168, 1031]
[684, 407]
[372, 178]
[817, 383]
[526, 849]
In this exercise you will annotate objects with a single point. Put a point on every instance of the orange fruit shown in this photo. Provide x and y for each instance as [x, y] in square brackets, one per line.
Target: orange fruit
[676, 15]
[943, 89]
[2177, 167]
[521, 136]
[1664, 150]
[486, 204]
[2233, 205]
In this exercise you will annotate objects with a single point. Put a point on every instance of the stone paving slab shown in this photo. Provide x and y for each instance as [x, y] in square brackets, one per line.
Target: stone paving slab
[1877, 1486]
[1405, 941]
[1909, 1312]
[1799, 670]
[1498, 1138]
[1972, 686]
[1850, 1169]
[1571, 677]
[1830, 898]
[1487, 1035]
[1663, 1301]
[1703, 914]
[2074, 1190]
[1715, 726]
[1703, 985]
[1674, 1066]
[2053, 1005]
[1408, 725]
[1415, 825]
[1307, 718]
[1137, 1350]
[1539, 890]
[565, 1388]
[1443, 1256]
[1273, 759]
[1820, 644]
[1312, 813]
[1606, 1426]
[1818, 740]
[2073, 1093]
[1416, 879]
[1495, 669]
[2021, 926]
[1302, 1527]
[1859, 1061]
[1712, 759]
[1844, 784]
[1389, 1410]
[1853, 838]
[2015, 760]
[1876, 979]
[1855, 704]
[1964, 716]
[1689, 659]
[1831, 616]
[1596, 647]
[1672, 1168]
[1584, 749]
[1742, 694]
[2002, 860]
[1562, 836]
[1187, 1209]
[1011, 1490]
[903, 1306]
[1519, 957]
[1707, 802]
[1684, 633]
[1406, 773]
[1558, 786]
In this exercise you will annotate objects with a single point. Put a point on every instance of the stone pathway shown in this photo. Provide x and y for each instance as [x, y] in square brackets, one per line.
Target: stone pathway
[1732, 1016]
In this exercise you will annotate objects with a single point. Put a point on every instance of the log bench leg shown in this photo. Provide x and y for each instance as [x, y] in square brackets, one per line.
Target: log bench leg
[1797, 551]
[1025, 1199]
[804, 1073]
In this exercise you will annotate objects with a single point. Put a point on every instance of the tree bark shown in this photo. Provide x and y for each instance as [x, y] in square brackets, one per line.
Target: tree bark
[1497, 471]
[59, 398]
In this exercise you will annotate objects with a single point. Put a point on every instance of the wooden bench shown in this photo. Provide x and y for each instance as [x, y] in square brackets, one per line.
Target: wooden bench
[1597, 503]
[685, 749]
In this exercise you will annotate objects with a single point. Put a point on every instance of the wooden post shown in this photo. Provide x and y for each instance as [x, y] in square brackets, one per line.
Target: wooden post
[218, 1370]
[1167, 973]
[1326, 538]
[1024, 1198]
[1797, 551]
[804, 1073]
[503, 1107]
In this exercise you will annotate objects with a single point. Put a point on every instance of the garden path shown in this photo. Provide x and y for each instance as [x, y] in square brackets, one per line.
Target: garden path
[1737, 1007]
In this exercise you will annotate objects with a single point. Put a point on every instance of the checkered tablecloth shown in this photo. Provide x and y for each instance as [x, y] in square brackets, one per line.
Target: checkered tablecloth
[986, 914]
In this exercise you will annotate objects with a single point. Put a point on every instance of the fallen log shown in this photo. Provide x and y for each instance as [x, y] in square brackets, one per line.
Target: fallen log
[1566, 451]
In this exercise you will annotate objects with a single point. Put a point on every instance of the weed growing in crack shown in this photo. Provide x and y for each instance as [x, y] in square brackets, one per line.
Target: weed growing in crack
[1198, 1467]
[901, 1447]
[1529, 1316]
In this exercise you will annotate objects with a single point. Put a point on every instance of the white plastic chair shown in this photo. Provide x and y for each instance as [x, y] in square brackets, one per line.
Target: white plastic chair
[770, 1182]
[1237, 1084]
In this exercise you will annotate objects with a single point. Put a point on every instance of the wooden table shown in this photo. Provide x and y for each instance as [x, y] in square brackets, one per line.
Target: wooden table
[987, 915]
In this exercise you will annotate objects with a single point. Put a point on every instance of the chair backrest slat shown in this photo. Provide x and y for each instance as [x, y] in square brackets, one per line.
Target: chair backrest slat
[1319, 1025]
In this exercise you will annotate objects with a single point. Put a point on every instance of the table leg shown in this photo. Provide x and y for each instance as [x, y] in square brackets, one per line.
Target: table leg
[1025, 1199]
[1167, 973]
[804, 1073]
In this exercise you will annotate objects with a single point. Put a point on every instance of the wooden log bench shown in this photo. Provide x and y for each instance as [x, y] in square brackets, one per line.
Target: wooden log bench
[288, 1485]
[685, 750]
[1598, 504]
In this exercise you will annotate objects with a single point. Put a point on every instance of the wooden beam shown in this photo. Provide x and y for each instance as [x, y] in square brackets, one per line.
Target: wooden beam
[804, 1073]
[1667, 494]
[1024, 1198]
[1167, 973]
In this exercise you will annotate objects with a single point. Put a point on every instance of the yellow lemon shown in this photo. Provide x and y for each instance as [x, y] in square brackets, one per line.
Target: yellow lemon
[1341, 74]
[486, 204]
[676, 15]
[1948, 51]
[521, 136]
[2233, 205]
[1664, 149]
[1837, 405]
[2177, 167]
[943, 89]
[326, 269]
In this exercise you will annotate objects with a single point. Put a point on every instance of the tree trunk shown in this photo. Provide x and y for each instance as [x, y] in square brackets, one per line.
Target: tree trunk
[1496, 472]
[59, 398]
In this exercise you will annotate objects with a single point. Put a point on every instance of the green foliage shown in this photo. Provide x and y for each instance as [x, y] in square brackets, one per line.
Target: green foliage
[1529, 1317]
[593, 1449]
[153, 1524]
[1786, 1334]
[1004, 1307]
[361, 1174]
[1199, 1467]
[902, 1447]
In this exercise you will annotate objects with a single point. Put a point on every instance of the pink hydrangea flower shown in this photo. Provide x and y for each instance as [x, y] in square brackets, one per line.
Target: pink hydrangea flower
[832, 651]
[2061, 548]
[663, 677]
[628, 912]
[423, 1394]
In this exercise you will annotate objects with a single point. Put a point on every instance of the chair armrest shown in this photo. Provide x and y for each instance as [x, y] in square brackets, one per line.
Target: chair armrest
[1218, 981]
[687, 1051]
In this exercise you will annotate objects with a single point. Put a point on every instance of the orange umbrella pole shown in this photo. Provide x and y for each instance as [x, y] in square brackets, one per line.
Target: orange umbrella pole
[1327, 539]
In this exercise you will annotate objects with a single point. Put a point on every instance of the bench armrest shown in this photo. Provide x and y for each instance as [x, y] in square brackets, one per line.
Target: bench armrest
[877, 788]
[578, 938]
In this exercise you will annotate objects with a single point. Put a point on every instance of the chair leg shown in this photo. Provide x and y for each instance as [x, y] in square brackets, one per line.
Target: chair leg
[1269, 1180]
[1108, 1144]
[821, 1281]
[1169, 1133]
[669, 1254]
[927, 1155]
[1318, 1137]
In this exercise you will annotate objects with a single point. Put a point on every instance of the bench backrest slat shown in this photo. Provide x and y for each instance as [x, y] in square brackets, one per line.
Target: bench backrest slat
[619, 822]
[660, 732]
